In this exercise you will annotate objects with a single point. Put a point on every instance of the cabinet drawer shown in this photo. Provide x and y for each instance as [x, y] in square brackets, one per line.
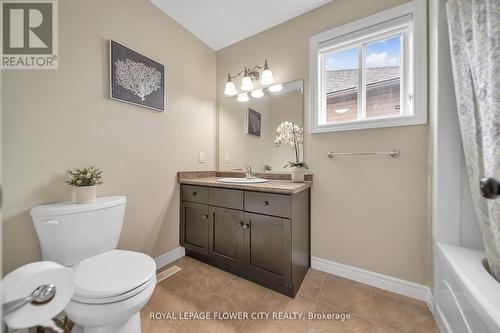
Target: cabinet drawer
[194, 193]
[226, 198]
[269, 204]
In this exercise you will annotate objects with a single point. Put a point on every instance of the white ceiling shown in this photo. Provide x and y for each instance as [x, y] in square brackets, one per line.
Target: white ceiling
[220, 23]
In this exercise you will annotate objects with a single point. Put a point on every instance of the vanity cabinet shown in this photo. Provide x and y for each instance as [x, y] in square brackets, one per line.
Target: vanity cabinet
[225, 236]
[263, 237]
[194, 228]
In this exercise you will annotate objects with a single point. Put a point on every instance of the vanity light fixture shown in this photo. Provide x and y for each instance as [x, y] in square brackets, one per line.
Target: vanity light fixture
[267, 76]
[257, 93]
[246, 83]
[276, 88]
[230, 89]
[249, 75]
[243, 97]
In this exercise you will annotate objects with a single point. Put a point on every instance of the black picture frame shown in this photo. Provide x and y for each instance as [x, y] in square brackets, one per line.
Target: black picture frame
[254, 120]
[149, 93]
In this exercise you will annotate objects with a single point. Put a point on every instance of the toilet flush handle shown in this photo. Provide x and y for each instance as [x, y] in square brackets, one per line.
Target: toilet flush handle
[51, 222]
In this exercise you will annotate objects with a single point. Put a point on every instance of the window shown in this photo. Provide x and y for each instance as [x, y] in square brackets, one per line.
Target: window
[371, 73]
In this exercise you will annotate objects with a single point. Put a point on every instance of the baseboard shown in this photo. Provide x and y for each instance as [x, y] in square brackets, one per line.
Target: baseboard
[395, 285]
[169, 257]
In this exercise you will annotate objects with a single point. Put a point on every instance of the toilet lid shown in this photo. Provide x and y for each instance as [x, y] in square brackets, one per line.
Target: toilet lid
[112, 273]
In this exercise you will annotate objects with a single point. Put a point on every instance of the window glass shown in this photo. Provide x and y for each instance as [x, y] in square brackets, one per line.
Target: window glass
[383, 78]
[341, 83]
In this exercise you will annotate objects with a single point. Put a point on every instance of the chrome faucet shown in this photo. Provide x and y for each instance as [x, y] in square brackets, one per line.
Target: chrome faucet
[248, 172]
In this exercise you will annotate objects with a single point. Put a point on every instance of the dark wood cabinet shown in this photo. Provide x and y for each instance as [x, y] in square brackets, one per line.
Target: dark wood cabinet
[225, 234]
[268, 249]
[263, 237]
[194, 226]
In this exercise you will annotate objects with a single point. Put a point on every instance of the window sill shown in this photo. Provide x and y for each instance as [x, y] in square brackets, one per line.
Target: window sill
[368, 124]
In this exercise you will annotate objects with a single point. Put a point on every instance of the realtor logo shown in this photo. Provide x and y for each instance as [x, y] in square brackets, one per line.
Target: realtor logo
[29, 34]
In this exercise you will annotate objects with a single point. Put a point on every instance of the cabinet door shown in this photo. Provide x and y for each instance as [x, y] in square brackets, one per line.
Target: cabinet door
[225, 241]
[194, 227]
[267, 245]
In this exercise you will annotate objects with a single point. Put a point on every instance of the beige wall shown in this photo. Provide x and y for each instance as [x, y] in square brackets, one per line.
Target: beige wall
[59, 119]
[370, 213]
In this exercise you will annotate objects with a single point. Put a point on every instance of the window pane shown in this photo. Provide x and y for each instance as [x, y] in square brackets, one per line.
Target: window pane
[341, 85]
[383, 77]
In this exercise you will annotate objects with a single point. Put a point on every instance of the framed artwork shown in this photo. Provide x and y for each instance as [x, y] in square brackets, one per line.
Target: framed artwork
[135, 78]
[253, 122]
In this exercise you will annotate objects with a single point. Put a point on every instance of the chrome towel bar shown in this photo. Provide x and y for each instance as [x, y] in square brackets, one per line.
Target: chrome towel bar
[393, 153]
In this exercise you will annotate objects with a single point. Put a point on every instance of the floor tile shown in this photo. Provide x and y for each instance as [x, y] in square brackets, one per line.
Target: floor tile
[184, 297]
[275, 302]
[206, 326]
[149, 325]
[275, 326]
[210, 278]
[199, 287]
[352, 297]
[245, 294]
[312, 283]
[220, 305]
[354, 324]
[189, 267]
[406, 316]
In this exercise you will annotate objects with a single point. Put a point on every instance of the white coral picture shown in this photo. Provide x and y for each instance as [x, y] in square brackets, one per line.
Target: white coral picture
[140, 79]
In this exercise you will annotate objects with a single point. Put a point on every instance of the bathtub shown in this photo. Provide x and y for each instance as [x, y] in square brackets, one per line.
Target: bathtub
[466, 296]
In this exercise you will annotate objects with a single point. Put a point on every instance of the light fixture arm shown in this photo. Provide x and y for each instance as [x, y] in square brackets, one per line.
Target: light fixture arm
[253, 73]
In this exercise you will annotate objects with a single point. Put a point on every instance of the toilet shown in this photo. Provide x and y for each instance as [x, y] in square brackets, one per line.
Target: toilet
[111, 286]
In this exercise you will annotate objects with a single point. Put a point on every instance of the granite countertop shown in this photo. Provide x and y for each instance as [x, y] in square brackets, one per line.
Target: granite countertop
[209, 178]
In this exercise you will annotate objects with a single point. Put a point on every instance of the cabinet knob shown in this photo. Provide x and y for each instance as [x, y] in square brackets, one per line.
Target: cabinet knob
[265, 203]
[205, 217]
[244, 225]
[194, 193]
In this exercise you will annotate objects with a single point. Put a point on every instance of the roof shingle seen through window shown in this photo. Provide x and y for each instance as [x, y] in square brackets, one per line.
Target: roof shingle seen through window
[338, 80]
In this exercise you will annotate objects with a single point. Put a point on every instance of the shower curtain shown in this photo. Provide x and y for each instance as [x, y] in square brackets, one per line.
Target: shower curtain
[474, 27]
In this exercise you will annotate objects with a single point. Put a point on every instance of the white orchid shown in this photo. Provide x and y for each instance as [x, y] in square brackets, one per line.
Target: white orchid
[288, 132]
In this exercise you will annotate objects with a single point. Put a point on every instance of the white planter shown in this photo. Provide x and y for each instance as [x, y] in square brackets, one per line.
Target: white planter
[85, 194]
[298, 174]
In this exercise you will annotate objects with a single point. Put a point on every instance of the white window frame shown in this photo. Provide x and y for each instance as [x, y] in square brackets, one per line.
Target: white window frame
[411, 17]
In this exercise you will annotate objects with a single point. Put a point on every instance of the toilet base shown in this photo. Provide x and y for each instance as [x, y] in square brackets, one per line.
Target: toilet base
[132, 325]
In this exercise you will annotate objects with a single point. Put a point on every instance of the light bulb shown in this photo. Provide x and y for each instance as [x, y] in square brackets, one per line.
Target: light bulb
[341, 110]
[267, 77]
[276, 87]
[230, 89]
[257, 93]
[246, 84]
[243, 97]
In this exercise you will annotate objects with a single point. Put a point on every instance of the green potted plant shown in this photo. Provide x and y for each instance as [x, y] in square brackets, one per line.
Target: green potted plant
[288, 132]
[85, 180]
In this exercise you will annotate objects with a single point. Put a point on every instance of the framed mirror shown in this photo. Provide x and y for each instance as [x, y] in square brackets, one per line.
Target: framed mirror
[247, 130]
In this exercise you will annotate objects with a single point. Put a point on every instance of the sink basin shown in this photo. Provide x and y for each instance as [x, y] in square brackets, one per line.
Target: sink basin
[242, 180]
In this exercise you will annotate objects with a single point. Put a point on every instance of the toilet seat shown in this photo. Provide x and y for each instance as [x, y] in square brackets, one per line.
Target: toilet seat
[113, 276]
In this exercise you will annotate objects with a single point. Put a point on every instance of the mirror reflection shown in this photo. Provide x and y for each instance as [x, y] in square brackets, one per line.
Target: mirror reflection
[247, 130]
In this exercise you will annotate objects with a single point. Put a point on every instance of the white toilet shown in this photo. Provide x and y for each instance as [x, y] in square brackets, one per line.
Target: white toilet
[111, 286]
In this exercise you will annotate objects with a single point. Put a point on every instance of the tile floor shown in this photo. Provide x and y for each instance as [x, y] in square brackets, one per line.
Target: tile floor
[202, 288]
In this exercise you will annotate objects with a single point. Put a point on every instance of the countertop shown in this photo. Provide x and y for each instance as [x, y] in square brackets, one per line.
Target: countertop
[272, 186]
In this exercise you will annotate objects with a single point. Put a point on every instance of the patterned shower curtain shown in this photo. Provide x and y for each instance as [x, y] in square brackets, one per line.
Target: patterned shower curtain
[474, 27]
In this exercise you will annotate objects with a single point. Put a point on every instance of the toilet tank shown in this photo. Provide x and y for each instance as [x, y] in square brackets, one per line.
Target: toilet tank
[70, 232]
